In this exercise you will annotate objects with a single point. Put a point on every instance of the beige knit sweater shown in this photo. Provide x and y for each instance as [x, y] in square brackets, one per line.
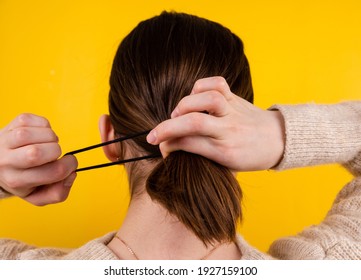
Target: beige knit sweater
[315, 134]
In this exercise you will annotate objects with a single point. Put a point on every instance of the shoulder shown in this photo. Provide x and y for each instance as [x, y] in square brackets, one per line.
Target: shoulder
[96, 249]
[11, 249]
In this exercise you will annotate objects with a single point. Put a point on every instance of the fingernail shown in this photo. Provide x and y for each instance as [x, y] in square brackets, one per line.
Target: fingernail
[70, 180]
[152, 137]
[175, 113]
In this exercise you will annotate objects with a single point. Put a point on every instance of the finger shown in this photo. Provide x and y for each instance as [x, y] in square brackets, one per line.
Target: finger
[47, 174]
[34, 155]
[211, 101]
[186, 125]
[200, 145]
[30, 120]
[22, 136]
[213, 83]
[53, 193]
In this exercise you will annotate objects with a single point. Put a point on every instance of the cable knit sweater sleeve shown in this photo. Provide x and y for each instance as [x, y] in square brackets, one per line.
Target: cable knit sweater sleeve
[322, 134]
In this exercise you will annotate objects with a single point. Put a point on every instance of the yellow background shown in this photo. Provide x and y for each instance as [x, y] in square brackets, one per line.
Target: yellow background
[55, 59]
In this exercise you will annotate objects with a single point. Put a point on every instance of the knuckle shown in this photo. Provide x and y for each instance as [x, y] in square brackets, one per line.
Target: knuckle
[196, 122]
[58, 151]
[164, 132]
[58, 196]
[21, 134]
[220, 81]
[33, 155]
[26, 119]
[181, 105]
[23, 119]
[197, 85]
[216, 98]
[184, 105]
[12, 182]
[45, 122]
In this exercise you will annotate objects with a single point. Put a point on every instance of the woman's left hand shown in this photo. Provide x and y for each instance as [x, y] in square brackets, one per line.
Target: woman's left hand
[234, 133]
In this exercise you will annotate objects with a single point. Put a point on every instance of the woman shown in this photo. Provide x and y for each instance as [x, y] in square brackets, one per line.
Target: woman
[185, 206]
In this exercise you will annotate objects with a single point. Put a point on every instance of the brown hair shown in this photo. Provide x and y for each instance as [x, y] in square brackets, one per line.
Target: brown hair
[156, 65]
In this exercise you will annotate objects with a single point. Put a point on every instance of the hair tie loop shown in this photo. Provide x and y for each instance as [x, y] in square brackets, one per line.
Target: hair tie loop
[121, 139]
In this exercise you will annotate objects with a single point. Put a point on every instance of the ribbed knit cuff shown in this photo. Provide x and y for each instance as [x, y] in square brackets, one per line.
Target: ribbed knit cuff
[320, 134]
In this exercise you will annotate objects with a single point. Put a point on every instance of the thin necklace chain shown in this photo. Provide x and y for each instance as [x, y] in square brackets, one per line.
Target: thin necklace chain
[129, 249]
[137, 258]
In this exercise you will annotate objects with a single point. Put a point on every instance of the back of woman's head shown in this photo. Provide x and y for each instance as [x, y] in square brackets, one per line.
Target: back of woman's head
[155, 66]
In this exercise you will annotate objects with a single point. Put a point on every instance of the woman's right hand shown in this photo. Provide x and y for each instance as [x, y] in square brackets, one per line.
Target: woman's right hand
[29, 164]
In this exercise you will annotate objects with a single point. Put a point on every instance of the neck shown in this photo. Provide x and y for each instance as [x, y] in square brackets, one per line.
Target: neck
[152, 233]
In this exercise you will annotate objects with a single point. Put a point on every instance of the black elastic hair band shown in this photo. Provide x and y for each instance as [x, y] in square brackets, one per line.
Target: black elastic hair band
[126, 137]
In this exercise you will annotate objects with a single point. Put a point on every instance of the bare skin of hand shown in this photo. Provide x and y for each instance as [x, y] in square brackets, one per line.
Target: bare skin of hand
[30, 167]
[234, 133]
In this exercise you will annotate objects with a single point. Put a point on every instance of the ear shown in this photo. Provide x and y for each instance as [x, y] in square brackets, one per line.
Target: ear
[107, 134]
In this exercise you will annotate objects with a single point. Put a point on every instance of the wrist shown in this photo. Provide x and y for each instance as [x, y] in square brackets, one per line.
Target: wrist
[278, 136]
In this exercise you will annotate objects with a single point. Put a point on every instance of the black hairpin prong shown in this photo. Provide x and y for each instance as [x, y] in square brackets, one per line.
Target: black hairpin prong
[126, 137]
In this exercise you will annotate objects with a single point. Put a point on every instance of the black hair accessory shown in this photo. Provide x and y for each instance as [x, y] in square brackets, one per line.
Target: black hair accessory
[126, 137]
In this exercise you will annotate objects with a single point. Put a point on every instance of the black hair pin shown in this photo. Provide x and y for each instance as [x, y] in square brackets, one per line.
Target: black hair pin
[117, 140]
